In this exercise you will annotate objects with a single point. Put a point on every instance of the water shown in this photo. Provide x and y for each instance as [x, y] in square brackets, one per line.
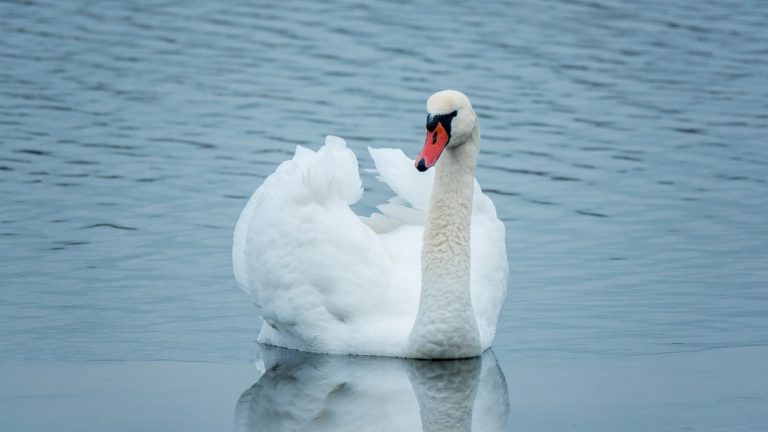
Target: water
[623, 144]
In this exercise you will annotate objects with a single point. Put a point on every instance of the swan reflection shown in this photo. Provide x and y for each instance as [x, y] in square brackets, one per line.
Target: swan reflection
[314, 392]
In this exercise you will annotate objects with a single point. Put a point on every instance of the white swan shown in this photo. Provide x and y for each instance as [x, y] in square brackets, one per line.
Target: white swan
[328, 281]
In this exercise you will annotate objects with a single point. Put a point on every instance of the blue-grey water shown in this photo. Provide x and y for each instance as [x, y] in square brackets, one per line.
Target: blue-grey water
[624, 144]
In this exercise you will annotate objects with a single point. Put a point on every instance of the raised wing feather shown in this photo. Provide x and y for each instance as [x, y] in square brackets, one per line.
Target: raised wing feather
[320, 269]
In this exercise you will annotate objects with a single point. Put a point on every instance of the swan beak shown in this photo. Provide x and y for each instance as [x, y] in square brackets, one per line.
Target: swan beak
[434, 144]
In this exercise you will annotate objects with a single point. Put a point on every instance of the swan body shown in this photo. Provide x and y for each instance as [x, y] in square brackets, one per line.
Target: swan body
[424, 277]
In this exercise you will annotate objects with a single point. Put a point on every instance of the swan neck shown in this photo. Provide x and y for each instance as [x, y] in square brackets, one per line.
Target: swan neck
[445, 325]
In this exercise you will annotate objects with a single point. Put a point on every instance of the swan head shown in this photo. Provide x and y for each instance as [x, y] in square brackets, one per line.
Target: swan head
[450, 123]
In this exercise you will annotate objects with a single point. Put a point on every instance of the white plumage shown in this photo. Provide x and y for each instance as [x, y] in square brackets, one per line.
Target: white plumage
[326, 280]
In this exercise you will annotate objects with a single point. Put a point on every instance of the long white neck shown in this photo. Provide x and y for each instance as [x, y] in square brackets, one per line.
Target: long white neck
[445, 325]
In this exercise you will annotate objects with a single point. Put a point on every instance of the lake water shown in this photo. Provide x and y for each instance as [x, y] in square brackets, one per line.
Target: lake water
[624, 144]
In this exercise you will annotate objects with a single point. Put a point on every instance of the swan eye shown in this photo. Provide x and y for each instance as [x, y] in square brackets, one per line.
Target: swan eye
[444, 119]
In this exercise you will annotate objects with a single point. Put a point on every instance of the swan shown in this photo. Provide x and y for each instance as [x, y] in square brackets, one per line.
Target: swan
[424, 277]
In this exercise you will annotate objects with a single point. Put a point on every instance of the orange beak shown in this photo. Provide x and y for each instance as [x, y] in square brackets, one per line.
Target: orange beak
[434, 144]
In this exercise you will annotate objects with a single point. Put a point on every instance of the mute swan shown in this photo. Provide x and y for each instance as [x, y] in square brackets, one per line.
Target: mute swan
[328, 281]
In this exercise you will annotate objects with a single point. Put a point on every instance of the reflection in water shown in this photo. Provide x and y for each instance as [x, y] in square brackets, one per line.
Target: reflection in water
[303, 391]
